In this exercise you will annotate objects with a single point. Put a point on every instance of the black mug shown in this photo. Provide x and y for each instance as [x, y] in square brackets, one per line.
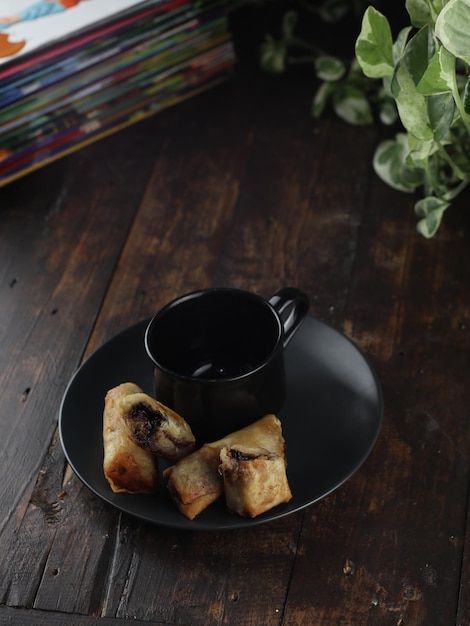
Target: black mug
[218, 356]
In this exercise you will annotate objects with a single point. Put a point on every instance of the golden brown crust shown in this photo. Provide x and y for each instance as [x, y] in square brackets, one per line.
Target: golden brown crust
[254, 479]
[195, 481]
[127, 467]
[157, 428]
[264, 433]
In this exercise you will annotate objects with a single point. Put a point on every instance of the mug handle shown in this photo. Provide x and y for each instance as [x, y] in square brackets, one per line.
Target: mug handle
[292, 306]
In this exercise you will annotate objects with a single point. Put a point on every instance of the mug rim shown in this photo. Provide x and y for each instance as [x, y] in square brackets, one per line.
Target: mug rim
[211, 290]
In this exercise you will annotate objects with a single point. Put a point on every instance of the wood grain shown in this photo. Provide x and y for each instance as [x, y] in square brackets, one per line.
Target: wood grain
[240, 187]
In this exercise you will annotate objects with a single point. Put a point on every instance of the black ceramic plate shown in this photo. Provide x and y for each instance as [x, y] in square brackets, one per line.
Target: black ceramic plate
[331, 419]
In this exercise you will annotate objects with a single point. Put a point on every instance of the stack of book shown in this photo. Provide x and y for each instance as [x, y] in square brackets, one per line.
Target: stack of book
[73, 71]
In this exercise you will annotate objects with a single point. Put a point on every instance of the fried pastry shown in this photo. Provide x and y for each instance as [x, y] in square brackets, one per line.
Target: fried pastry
[254, 479]
[157, 428]
[128, 468]
[195, 482]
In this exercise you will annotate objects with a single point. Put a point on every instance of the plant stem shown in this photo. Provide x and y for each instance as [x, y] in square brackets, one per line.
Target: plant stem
[433, 11]
[450, 195]
[432, 181]
[455, 168]
[459, 103]
[304, 45]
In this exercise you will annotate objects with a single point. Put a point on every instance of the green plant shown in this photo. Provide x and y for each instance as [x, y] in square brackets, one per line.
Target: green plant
[426, 72]
[342, 82]
[423, 77]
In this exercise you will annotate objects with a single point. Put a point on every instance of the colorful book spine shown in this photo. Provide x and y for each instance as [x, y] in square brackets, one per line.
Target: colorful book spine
[108, 77]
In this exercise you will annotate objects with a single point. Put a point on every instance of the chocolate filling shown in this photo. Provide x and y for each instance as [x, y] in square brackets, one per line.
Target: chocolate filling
[240, 456]
[145, 422]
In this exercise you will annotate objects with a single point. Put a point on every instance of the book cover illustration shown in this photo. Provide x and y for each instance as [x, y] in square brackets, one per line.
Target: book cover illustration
[28, 25]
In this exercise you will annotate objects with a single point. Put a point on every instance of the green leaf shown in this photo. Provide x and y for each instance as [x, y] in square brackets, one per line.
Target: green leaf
[321, 98]
[390, 164]
[431, 210]
[388, 111]
[400, 43]
[329, 68]
[351, 105]
[452, 28]
[439, 76]
[420, 151]
[374, 46]
[289, 24]
[272, 55]
[441, 109]
[412, 106]
[419, 12]
[419, 52]
[466, 96]
[332, 10]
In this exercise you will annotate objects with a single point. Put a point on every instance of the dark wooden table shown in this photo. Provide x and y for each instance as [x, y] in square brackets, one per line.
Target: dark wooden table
[238, 187]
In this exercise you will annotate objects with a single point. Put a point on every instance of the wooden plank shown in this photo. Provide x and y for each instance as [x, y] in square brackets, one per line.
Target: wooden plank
[463, 612]
[159, 574]
[207, 578]
[61, 235]
[25, 617]
[206, 195]
[258, 247]
[392, 535]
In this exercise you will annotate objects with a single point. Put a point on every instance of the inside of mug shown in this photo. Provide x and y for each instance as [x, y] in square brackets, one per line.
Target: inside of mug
[214, 334]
